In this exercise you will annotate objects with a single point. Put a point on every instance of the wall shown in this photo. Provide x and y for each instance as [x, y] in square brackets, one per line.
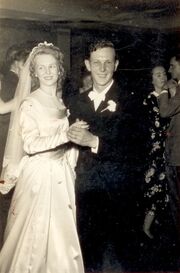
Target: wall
[138, 49]
[14, 32]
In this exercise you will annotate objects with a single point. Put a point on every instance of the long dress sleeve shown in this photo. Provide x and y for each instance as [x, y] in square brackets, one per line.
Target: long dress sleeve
[34, 142]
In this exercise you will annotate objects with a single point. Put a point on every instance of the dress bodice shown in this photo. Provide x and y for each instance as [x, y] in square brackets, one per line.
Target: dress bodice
[44, 123]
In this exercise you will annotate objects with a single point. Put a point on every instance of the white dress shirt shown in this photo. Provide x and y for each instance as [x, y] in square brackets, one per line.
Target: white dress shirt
[98, 97]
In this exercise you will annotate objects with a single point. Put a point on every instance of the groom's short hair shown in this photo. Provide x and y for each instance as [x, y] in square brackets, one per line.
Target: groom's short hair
[99, 44]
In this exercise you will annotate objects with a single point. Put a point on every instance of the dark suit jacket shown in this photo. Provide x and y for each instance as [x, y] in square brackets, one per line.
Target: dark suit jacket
[106, 169]
[9, 84]
[170, 107]
[8, 88]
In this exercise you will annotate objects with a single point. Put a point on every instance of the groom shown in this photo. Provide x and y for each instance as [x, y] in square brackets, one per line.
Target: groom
[101, 188]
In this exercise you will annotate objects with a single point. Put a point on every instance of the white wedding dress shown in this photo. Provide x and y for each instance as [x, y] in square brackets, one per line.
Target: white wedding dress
[41, 235]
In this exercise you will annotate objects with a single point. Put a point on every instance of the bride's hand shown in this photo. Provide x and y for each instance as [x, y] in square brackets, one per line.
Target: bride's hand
[77, 125]
[80, 124]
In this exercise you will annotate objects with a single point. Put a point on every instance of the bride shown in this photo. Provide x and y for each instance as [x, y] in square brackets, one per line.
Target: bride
[41, 235]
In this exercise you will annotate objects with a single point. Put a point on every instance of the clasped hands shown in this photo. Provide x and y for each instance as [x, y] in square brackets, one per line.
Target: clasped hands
[79, 133]
[171, 85]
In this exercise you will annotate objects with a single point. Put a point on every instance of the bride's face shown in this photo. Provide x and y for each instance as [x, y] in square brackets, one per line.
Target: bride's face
[46, 69]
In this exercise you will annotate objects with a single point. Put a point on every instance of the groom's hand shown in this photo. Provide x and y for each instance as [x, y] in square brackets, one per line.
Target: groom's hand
[82, 137]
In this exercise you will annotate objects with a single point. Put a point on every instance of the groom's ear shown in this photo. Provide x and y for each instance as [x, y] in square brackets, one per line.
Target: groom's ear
[87, 64]
[116, 65]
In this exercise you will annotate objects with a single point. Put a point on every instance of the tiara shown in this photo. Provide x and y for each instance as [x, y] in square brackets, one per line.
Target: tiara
[40, 45]
[44, 44]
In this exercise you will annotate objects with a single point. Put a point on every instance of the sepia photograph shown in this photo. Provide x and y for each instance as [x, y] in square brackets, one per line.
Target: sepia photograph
[89, 136]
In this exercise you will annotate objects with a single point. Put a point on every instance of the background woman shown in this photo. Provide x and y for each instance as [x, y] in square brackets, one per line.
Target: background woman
[155, 190]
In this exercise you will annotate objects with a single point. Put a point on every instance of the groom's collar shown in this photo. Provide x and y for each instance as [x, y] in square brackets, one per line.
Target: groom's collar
[105, 90]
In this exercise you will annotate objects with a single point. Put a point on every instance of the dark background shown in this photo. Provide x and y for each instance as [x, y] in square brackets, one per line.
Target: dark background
[145, 33]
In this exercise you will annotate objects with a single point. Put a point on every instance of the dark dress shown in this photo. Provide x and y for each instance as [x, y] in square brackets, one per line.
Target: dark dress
[155, 188]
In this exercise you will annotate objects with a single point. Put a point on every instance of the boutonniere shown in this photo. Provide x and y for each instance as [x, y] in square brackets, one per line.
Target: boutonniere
[111, 106]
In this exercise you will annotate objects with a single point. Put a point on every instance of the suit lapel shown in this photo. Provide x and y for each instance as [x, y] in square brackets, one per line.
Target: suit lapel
[91, 104]
[102, 106]
[112, 94]
[86, 105]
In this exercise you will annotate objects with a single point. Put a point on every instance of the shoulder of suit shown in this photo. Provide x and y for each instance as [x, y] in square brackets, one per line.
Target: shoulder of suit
[84, 96]
[10, 78]
[177, 95]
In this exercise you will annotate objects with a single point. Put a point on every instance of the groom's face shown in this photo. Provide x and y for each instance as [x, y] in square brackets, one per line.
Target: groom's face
[102, 65]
